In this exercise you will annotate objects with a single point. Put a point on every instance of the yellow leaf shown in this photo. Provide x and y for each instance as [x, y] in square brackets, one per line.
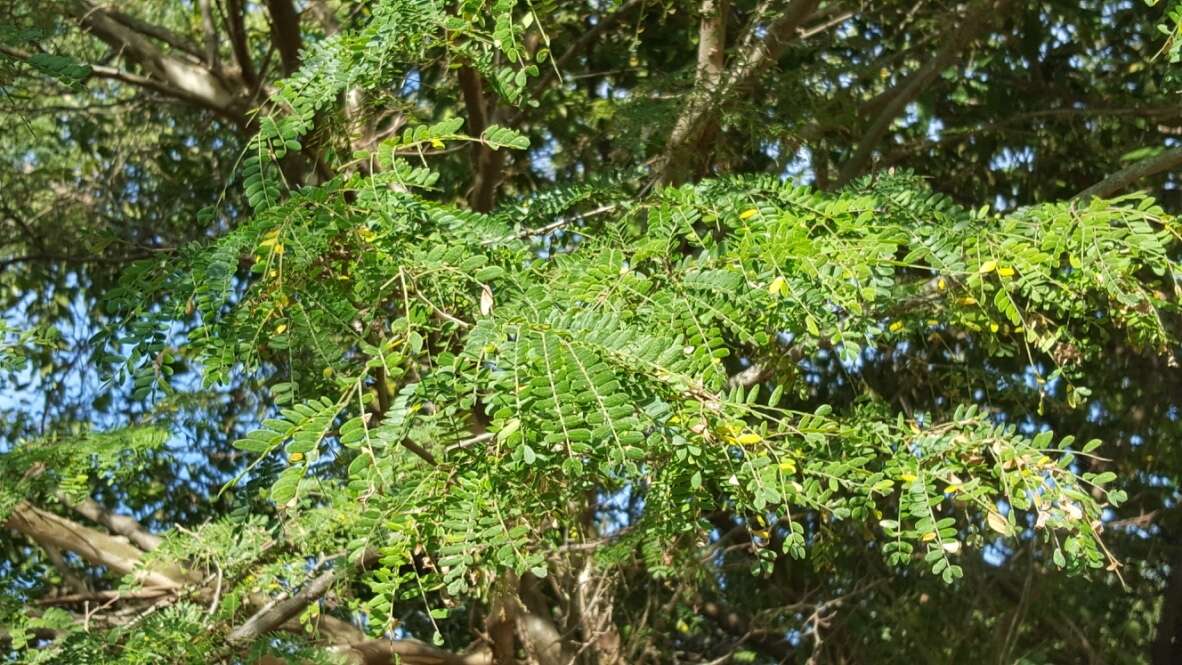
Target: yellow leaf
[896, 326]
[748, 214]
[778, 287]
[295, 458]
[968, 300]
[280, 329]
[928, 537]
[952, 489]
[998, 523]
[907, 477]
[437, 144]
[1005, 271]
[279, 249]
[993, 327]
[941, 284]
[811, 324]
[749, 439]
[988, 266]
[788, 466]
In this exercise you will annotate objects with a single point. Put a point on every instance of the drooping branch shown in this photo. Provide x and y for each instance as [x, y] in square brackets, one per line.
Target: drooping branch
[69, 576]
[704, 105]
[979, 19]
[1124, 178]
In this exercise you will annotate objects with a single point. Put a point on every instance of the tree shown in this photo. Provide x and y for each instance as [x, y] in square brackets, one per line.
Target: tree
[496, 332]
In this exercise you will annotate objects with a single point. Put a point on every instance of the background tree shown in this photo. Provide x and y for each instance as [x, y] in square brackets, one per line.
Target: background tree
[495, 332]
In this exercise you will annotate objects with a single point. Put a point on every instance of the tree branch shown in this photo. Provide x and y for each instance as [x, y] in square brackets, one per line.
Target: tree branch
[979, 19]
[1125, 177]
[92, 545]
[70, 258]
[277, 612]
[178, 77]
[156, 32]
[545, 642]
[739, 626]
[123, 525]
[589, 37]
[703, 106]
[239, 44]
[211, 37]
[487, 164]
[409, 652]
[285, 33]
[69, 576]
[502, 620]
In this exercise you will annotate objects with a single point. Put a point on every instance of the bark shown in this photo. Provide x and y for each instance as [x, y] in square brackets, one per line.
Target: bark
[122, 525]
[501, 624]
[1126, 177]
[542, 637]
[487, 164]
[704, 105]
[239, 43]
[178, 77]
[409, 652]
[211, 37]
[285, 33]
[278, 612]
[93, 546]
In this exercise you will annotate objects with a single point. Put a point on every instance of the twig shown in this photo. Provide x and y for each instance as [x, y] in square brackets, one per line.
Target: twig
[554, 226]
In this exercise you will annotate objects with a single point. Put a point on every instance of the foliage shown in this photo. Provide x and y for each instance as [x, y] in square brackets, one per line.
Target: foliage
[616, 417]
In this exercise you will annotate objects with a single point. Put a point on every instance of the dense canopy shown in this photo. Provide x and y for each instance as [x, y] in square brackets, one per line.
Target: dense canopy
[489, 332]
